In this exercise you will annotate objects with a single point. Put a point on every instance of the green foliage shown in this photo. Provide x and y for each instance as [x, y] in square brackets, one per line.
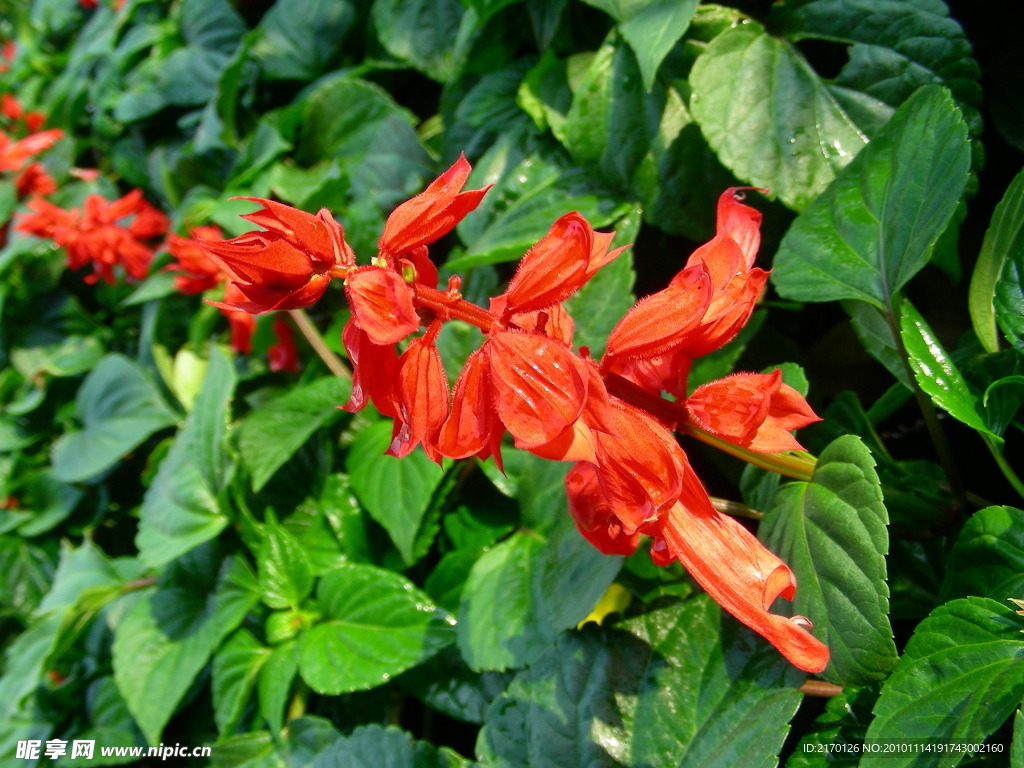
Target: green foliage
[197, 549]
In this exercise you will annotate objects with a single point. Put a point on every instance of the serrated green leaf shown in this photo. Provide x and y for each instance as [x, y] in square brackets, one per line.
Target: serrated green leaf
[874, 227]
[446, 684]
[375, 625]
[959, 678]
[1004, 241]
[832, 533]
[27, 571]
[421, 32]
[936, 374]
[236, 667]
[285, 572]
[1009, 298]
[166, 637]
[300, 37]
[182, 508]
[651, 27]
[371, 746]
[120, 407]
[274, 431]
[80, 568]
[988, 557]
[526, 590]
[676, 688]
[275, 681]
[396, 492]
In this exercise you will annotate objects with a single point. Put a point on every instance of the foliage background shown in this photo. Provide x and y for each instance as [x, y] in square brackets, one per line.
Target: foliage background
[204, 552]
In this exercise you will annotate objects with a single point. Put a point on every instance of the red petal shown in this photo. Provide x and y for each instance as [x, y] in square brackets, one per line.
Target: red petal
[422, 397]
[740, 222]
[374, 372]
[739, 573]
[657, 323]
[259, 300]
[540, 387]
[473, 427]
[729, 311]
[431, 214]
[593, 515]
[381, 303]
[320, 237]
[242, 326]
[264, 260]
[283, 356]
[553, 269]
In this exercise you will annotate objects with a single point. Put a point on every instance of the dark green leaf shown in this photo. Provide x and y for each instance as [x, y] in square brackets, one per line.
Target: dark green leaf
[375, 625]
[874, 227]
[420, 32]
[446, 684]
[1009, 298]
[275, 681]
[371, 746]
[988, 557]
[875, 335]
[1004, 241]
[832, 533]
[844, 722]
[27, 570]
[300, 37]
[396, 492]
[959, 678]
[935, 372]
[111, 724]
[285, 572]
[651, 27]
[120, 407]
[675, 689]
[182, 508]
[236, 667]
[526, 590]
[166, 637]
[274, 431]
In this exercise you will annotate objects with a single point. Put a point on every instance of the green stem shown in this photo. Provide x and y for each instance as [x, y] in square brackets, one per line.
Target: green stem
[997, 453]
[316, 341]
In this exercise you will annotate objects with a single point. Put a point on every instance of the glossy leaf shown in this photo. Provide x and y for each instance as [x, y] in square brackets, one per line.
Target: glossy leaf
[672, 687]
[988, 557]
[936, 374]
[832, 533]
[396, 492]
[1004, 242]
[874, 227]
[167, 636]
[372, 746]
[182, 508]
[421, 32]
[375, 625]
[959, 678]
[120, 407]
[272, 433]
[299, 37]
[236, 667]
[285, 571]
[1009, 299]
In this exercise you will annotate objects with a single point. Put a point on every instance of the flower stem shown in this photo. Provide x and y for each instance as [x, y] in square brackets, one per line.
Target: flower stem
[820, 688]
[316, 341]
[735, 509]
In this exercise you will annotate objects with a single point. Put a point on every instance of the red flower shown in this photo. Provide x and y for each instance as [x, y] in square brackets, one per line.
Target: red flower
[34, 181]
[422, 395]
[381, 303]
[432, 214]
[374, 372]
[754, 410]
[285, 267]
[97, 235]
[197, 272]
[283, 356]
[14, 154]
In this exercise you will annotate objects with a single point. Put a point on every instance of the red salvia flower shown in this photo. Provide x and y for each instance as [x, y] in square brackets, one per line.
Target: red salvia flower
[432, 214]
[374, 372]
[381, 303]
[288, 265]
[14, 154]
[422, 395]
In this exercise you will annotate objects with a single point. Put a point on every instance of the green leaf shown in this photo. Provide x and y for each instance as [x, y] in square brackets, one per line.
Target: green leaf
[371, 746]
[70, 356]
[111, 724]
[526, 590]
[651, 27]
[1004, 241]
[299, 37]
[182, 508]
[274, 431]
[832, 533]
[874, 227]
[236, 667]
[530, 192]
[446, 684]
[988, 557]
[1017, 750]
[27, 571]
[279, 669]
[120, 407]
[166, 638]
[1009, 299]
[935, 372]
[285, 572]
[396, 492]
[844, 722]
[375, 625]
[875, 335]
[420, 32]
[676, 688]
[959, 678]
[80, 569]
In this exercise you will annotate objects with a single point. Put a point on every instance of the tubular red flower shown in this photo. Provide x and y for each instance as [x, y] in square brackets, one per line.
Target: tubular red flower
[431, 214]
[14, 154]
[374, 372]
[738, 572]
[422, 398]
[472, 428]
[381, 303]
[283, 356]
[196, 271]
[540, 387]
[593, 515]
[753, 410]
